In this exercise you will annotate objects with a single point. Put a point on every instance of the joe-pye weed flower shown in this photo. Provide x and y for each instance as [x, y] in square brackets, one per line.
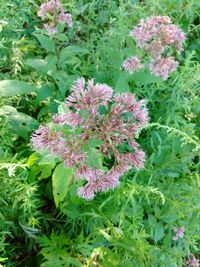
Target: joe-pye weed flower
[96, 135]
[53, 13]
[158, 38]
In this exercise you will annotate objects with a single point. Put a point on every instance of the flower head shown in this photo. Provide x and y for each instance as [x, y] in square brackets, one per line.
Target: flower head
[179, 233]
[132, 64]
[53, 13]
[158, 32]
[156, 36]
[163, 66]
[95, 135]
[192, 261]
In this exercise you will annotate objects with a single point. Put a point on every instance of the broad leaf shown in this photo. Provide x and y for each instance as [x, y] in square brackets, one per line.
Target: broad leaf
[43, 66]
[43, 93]
[62, 80]
[14, 87]
[159, 232]
[37, 64]
[21, 123]
[70, 51]
[46, 42]
[62, 178]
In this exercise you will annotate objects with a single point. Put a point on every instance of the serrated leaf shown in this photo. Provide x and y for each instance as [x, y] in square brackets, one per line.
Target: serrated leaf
[61, 179]
[15, 87]
[46, 42]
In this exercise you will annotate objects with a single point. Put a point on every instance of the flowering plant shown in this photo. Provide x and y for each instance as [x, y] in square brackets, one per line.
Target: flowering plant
[53, 13]
[95, 135]
[158, 38]
[192, 261]
[179, 233]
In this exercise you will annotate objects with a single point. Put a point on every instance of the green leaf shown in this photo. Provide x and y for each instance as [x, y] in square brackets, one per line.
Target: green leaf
[62, 178]
[145, 77]
[61, 37]
[169, 217]
[7, 110]
[94, 142]
[43, 93]
[15, 87]
[124, 148]
[46, 42]
[32, 159]
[159, 232]
[52, 63]
[46, 171]
[106, 235]
[46, 66]
[122, 82]
[48, 159]
[115, 57]
[69, 52]
[94, 159]
[62, 80]
[63, 109]
[102, 110]
[37, 64]
[21, 123]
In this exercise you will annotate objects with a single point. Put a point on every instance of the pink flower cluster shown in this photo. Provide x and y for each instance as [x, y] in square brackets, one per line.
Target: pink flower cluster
[96, 135]
[163, 66]
[192, 261]
[156, 36]
[53, 12]
[132, 64]
[179, 233]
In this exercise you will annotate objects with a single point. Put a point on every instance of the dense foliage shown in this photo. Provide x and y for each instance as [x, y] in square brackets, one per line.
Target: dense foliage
[151, 218]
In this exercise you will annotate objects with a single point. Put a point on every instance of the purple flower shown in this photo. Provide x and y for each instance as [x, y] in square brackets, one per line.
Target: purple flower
[53, 13]
[65, 18]
[158, 30]
[162, 67]
[192, 261]
[132, 64]
[95, 114]
[156, 35]
[49, 29]
[179, 233]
